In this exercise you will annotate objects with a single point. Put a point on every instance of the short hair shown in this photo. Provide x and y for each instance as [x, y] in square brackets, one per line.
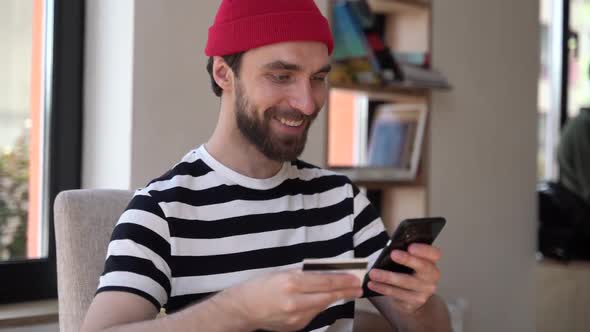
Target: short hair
[234, 62]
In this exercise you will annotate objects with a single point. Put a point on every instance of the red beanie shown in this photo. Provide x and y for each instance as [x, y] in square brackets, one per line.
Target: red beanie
[241, 25]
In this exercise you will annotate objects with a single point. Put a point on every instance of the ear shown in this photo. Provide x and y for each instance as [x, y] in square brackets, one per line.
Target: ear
[222, 74]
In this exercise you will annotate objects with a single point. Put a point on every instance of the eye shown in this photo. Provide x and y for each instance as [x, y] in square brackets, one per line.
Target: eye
[281, 78]
[319, 78]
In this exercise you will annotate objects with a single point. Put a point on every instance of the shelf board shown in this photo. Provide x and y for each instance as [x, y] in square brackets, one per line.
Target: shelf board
[399, 6]
[393, 88]
[379, 178]
[401, 90]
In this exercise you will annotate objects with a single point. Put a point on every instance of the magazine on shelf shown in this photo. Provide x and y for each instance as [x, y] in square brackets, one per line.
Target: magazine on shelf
[375, 140]
[395, 136]
[394, 145]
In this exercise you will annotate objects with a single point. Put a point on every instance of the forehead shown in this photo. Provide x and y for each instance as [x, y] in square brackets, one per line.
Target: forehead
[310, 56]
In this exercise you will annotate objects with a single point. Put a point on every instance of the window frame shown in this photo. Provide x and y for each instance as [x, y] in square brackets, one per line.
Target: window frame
[35, 279]
[565, 64]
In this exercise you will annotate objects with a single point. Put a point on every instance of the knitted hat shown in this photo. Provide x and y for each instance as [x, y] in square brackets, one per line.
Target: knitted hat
[241, 25]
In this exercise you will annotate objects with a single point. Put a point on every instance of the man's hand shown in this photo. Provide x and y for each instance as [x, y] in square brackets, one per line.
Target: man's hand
[288, 301]
[410, 292]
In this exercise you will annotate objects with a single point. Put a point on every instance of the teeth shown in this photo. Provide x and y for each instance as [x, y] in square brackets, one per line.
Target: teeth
[291, 123]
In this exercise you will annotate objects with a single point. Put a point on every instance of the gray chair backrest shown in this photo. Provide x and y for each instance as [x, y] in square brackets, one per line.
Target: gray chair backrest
[84, 221]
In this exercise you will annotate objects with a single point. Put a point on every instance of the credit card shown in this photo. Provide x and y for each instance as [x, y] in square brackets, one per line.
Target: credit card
[355, 266]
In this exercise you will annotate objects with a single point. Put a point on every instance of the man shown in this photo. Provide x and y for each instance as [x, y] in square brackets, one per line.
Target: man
[219, 239]
[573, 155]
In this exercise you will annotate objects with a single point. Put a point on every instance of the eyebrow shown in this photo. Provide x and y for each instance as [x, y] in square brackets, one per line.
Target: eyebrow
[282, 65]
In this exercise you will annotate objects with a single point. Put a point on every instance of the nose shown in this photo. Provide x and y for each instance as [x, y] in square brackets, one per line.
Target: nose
[302, 99]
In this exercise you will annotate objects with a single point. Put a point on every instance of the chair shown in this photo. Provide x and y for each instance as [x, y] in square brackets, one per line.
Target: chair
[84, 220]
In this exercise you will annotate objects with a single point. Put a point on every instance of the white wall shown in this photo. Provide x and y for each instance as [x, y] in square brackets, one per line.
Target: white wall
[148, 95]
[483, 145]
[315, 150]
[174, 109]
[108, 79]
[16, 23]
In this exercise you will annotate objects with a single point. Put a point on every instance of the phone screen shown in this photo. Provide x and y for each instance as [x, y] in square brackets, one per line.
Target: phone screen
[420, 230]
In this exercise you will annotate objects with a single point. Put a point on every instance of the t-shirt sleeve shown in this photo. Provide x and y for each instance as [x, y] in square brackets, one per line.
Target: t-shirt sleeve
[369, 235]
[139, 253]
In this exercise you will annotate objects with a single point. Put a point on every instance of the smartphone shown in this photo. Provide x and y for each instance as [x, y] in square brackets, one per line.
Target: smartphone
[420, 230]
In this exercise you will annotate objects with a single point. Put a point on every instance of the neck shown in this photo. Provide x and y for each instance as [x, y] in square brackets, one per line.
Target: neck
[228, 146]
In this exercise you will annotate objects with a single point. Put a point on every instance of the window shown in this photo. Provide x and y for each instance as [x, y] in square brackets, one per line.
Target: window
[578, 85]
[550, 86]
[40, 138]
[564, 82]
[16, 114]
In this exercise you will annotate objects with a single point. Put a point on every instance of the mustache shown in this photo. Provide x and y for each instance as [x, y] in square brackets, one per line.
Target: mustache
[290, 114]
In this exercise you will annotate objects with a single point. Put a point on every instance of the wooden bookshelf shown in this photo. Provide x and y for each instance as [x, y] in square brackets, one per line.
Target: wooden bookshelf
[407, 29]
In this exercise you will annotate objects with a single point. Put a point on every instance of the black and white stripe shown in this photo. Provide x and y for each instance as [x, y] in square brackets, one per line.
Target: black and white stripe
[201, 228]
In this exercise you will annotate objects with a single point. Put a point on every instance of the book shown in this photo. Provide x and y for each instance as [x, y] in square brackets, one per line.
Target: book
[365, 21]
[408, 148]
[340, 73]
[418, 59]
[395, 139]
[350, 49]
[386, 144]
[388, 139]
[348, 42]
[422, 77]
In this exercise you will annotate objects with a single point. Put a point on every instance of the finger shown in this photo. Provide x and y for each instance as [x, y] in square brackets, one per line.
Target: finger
[424, 268]
[399, 294]
[314, 282]
[401, 280]
[425, 251]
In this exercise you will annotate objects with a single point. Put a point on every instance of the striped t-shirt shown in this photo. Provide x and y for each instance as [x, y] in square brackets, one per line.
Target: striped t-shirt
[202, 227]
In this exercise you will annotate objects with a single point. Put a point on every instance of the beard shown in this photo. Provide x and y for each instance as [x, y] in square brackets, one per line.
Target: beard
[258, 131]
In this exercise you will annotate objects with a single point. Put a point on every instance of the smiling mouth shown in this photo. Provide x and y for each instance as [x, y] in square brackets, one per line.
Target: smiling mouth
[290, 123]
